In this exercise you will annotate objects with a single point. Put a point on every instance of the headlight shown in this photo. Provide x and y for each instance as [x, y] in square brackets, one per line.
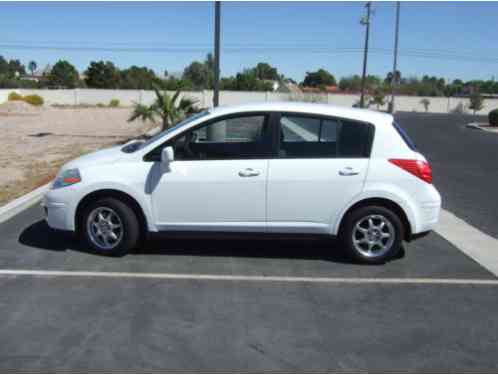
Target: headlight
[66, 178]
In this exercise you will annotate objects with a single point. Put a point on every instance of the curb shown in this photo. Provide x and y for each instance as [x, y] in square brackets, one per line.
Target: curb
[20, 204]
[475, 125]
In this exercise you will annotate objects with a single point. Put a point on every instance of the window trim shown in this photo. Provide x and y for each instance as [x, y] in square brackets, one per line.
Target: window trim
[368, 146]
[404, 135]
[267, 123]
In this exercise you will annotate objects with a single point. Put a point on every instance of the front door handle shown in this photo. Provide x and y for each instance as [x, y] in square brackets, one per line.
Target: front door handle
[348, 171]
[249, 172]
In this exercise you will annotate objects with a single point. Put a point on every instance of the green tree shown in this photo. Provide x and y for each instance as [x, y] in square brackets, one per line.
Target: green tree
[138, 78]
[351, 83]
[15, 68]
[265, 71]
[32, 67]
[476, 101]
[169, 108]
[4, 66]
[63, 74]
[102, 75]
[197, 73]
[390, 75]
[246, 80]
[319, 78]
[200, 74]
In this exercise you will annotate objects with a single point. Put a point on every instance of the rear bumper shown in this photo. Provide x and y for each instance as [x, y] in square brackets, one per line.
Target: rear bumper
[429, 216]
[417, 236]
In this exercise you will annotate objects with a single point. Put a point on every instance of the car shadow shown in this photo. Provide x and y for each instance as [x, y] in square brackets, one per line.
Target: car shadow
[39, 235]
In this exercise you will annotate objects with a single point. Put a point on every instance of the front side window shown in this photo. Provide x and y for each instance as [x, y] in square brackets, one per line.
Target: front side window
[242, 137]
[322, 137]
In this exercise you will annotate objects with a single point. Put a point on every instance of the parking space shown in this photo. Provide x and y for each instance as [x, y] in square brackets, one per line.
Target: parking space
[463, 162]
[124, 323]
[29, 244]
[252, 305]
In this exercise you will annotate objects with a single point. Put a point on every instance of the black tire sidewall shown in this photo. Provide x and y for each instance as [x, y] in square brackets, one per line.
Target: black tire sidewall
[131, 229]
[357, 214]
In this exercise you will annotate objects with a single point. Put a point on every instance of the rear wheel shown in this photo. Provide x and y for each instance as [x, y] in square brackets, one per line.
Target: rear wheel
[110, 227]
[372, 234]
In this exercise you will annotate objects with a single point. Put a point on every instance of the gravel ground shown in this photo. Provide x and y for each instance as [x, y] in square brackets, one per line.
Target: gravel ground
[34, 143]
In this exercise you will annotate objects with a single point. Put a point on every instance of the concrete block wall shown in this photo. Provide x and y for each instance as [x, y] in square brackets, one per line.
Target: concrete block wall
[205, 99]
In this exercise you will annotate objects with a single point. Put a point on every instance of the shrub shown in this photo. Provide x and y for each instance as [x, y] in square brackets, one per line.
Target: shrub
[114, 103]
[15, 96]
[36, 100]
[100, 105]
[426, 103]
[493, 117]
[459, 109]
[476, 101]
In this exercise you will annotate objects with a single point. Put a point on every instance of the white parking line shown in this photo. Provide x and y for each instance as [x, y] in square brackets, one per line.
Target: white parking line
[470, 240]
[250, 278]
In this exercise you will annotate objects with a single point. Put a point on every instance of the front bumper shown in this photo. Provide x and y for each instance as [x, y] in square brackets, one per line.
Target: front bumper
[57, 210]
[55, 214]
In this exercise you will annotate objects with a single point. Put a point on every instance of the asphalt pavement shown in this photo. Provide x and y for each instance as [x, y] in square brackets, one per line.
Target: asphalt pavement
[464, 162]
[436, 322]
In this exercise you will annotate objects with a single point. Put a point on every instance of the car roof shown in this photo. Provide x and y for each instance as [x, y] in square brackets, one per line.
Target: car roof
[308, 108]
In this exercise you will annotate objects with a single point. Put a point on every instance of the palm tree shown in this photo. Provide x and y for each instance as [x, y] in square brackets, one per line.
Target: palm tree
[168, 108]
[32, 67]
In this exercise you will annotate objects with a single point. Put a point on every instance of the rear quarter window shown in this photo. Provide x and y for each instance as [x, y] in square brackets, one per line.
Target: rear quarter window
[404, 136]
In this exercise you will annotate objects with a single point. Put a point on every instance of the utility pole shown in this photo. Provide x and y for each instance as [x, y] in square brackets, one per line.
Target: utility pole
[365, 21]
[216, 94]
[394, 78]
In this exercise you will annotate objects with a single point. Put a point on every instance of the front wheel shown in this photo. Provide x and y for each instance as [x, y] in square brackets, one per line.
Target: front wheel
[372, 234]
[110, 227]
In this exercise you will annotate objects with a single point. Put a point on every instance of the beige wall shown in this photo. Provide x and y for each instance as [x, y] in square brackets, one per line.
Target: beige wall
[205, 98]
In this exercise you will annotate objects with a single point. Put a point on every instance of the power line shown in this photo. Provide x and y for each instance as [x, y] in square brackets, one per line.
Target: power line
[406, 52]
[304, 46]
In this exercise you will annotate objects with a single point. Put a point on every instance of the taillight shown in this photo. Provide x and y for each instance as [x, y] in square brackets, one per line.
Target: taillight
[418, 168]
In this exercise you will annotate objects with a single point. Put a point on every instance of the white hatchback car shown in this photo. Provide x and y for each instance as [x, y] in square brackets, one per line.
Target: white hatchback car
[290, 168]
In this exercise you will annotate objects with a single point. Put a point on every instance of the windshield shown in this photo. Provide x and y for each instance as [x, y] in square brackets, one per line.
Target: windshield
[140, 145]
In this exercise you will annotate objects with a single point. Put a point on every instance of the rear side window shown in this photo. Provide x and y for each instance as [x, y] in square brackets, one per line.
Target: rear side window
[354, 139]
[319, 137]
[405, 136]
[308, 137]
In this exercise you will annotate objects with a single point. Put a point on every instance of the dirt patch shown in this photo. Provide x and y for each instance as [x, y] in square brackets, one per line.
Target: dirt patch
[33, 148]
[18, 107]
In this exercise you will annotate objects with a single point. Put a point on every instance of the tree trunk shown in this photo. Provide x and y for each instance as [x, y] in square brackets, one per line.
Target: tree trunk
[165, 123]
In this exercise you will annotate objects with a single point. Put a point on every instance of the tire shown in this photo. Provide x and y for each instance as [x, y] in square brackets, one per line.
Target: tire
[369, 241]
[117, 217]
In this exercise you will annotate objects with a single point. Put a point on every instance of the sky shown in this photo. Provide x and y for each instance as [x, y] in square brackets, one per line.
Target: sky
[450, 39]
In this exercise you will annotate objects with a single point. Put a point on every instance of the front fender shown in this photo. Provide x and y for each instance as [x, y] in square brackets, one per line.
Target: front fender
[135, 192]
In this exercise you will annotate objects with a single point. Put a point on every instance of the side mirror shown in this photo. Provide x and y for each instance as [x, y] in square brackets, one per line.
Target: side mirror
[167, 155]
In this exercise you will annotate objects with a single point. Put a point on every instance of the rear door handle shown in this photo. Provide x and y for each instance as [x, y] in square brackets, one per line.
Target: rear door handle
[348, 171]
[249, 172]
